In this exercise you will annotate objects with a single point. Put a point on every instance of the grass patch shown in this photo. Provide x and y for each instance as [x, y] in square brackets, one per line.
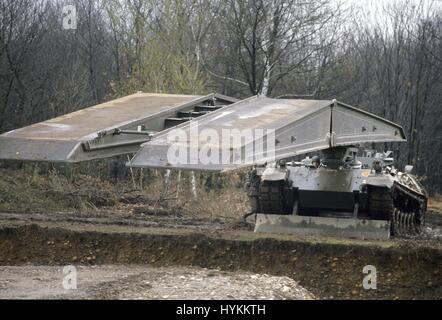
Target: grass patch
[29, 189]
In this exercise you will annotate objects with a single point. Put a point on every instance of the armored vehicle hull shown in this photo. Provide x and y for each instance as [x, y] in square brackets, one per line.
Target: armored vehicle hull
[348, 200]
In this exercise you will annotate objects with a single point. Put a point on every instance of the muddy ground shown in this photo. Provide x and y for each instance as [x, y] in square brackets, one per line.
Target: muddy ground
[328, 268]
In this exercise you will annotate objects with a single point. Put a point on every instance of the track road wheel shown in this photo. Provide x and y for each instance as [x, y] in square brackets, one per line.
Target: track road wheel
[271, 197]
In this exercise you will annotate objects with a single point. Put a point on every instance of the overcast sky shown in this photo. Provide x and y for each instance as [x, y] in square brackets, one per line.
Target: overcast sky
[377, 6]
[372, 11]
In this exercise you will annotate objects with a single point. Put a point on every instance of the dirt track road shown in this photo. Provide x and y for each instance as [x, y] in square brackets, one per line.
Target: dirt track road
[329, 268]
[143, 282]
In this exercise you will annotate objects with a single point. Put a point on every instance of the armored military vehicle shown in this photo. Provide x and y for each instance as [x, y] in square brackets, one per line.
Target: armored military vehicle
[343, 191]
[340, 193]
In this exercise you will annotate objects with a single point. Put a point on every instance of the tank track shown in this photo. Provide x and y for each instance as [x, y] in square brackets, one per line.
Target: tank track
[404, 207]
[271, 197]
[409, 215]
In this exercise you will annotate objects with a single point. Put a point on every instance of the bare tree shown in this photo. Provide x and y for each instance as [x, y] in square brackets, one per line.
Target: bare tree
[271, 39]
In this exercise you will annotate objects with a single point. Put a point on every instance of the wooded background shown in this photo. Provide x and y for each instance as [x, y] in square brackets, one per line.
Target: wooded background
[387, 60]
